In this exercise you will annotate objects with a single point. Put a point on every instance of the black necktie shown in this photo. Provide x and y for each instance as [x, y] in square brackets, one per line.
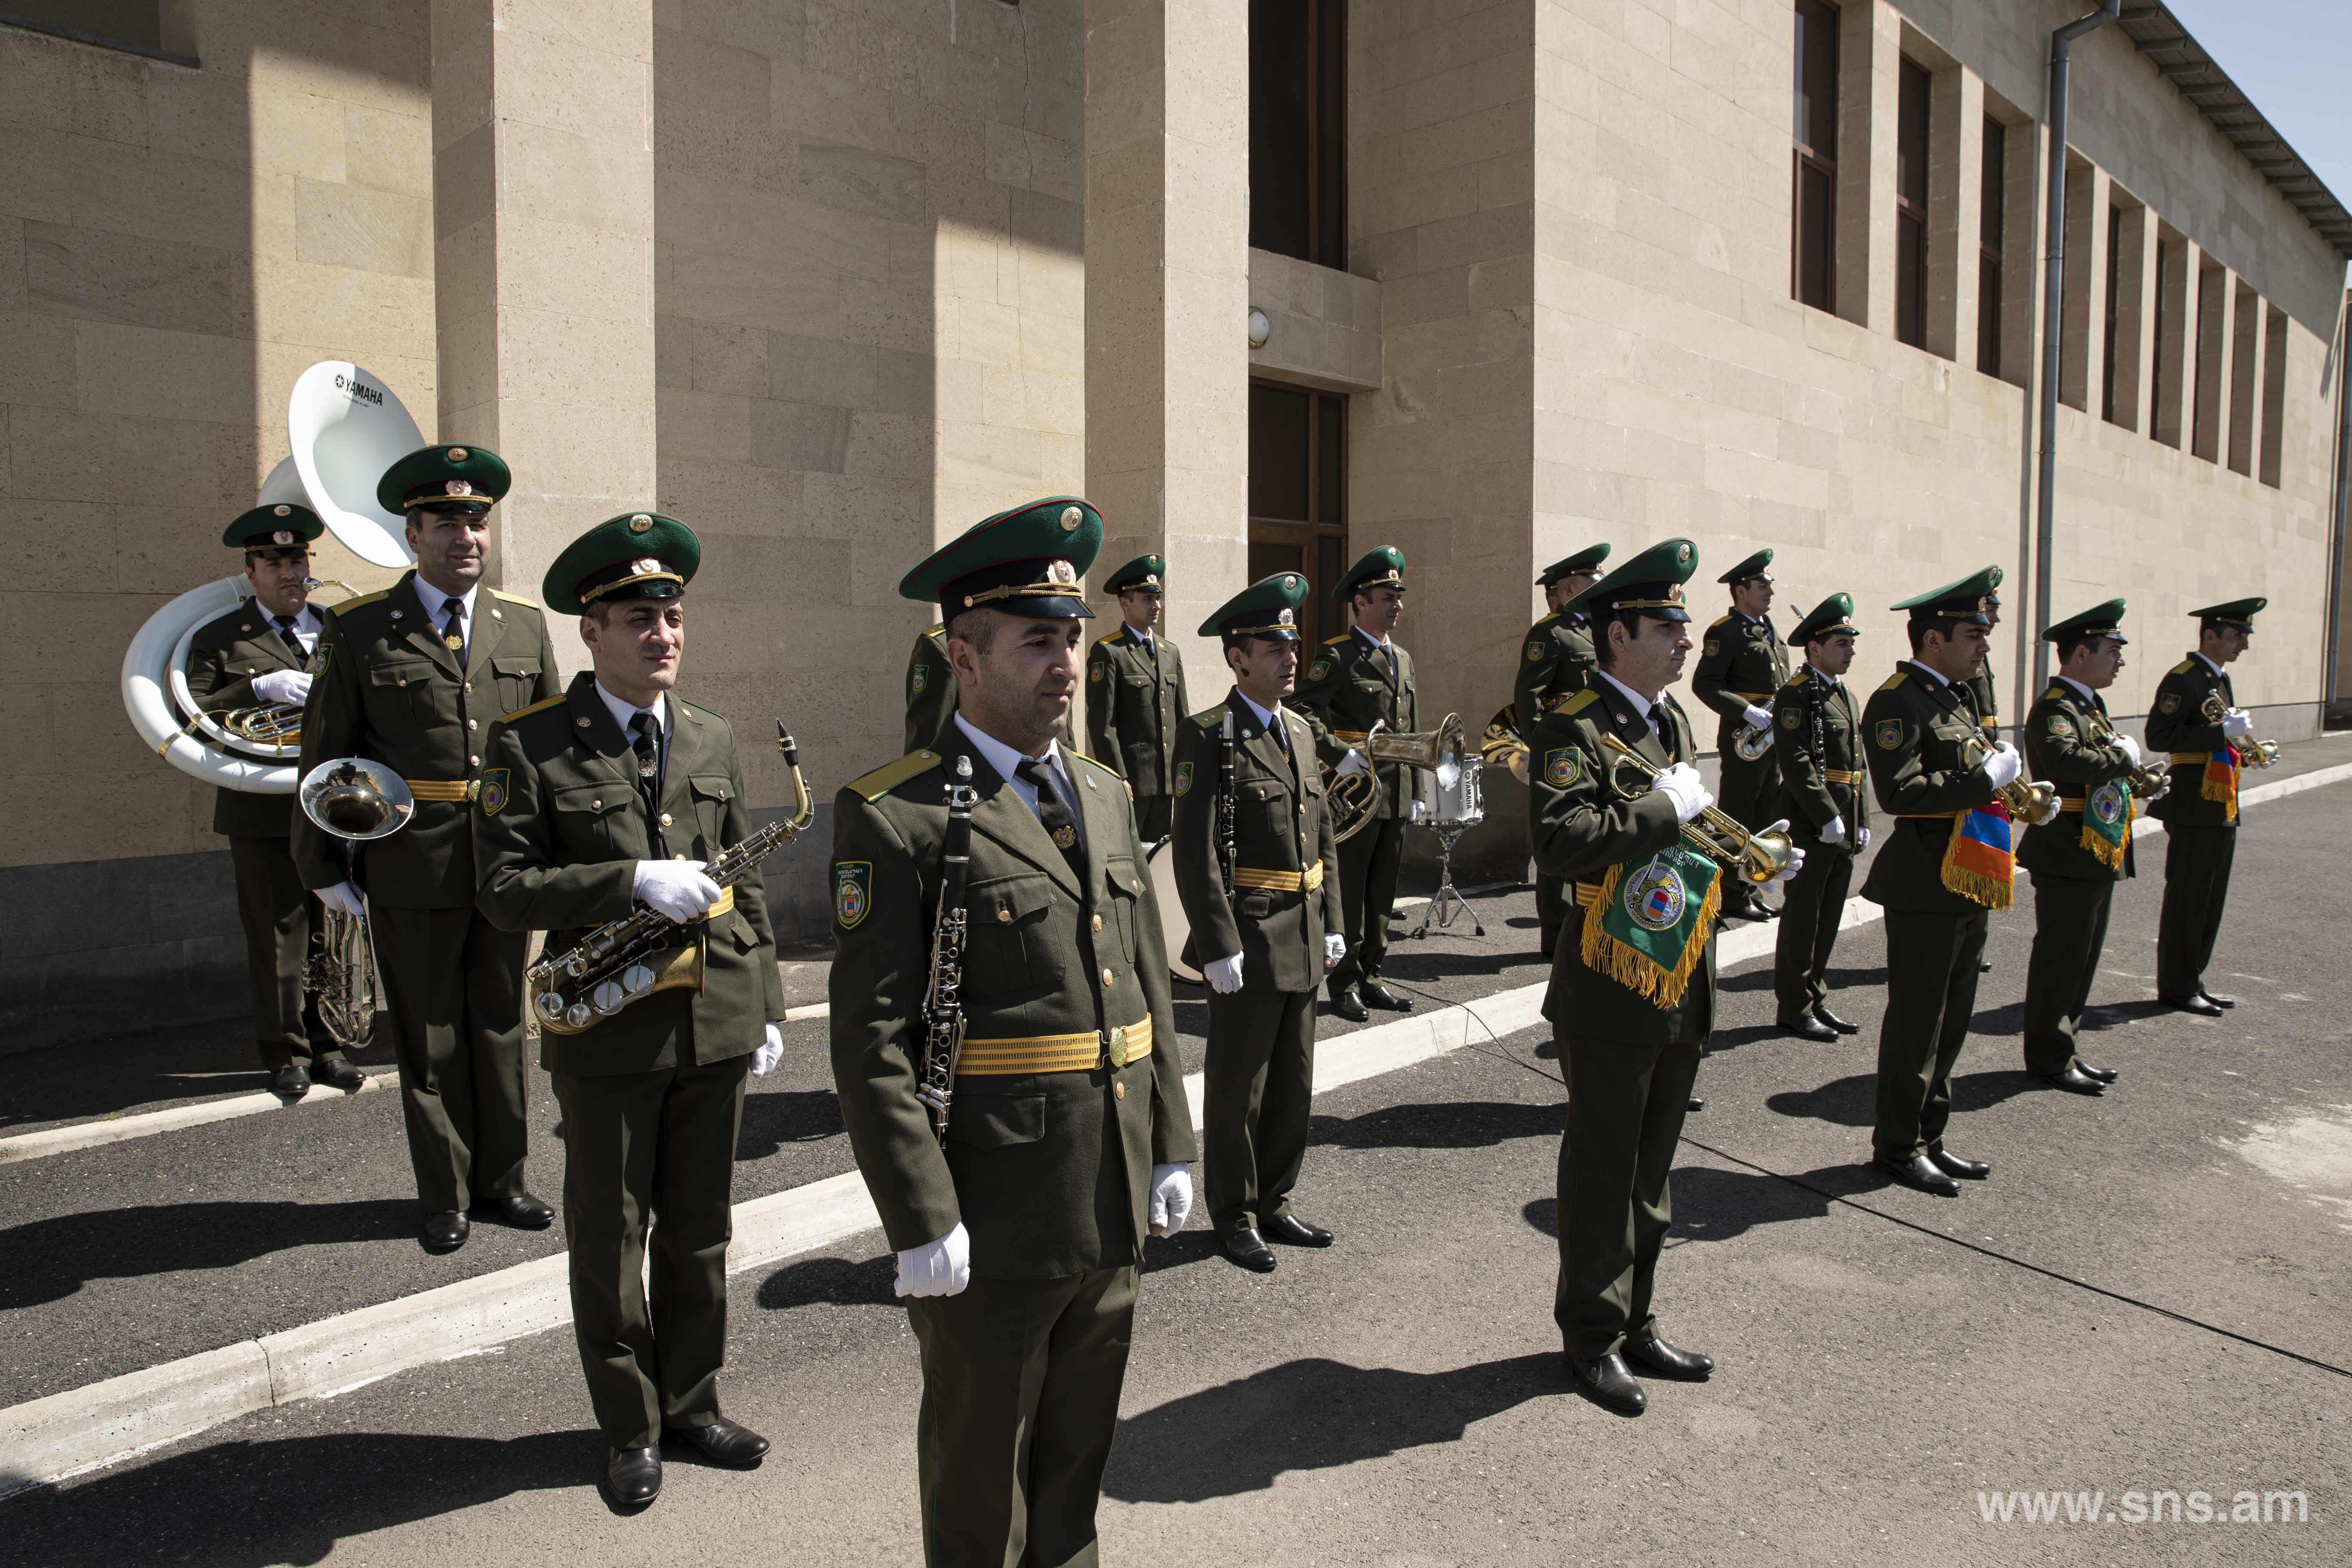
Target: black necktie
[1052, 810]
[285, 635]
[1658, 727]
[453, 636]
[643, 741]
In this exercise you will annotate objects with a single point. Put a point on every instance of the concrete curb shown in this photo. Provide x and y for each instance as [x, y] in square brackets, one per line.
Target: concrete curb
[116, 1128]
[63, 1435]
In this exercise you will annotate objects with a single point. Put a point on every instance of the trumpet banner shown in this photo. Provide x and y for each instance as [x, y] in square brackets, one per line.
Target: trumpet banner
[1647, 928]
[1979, 859]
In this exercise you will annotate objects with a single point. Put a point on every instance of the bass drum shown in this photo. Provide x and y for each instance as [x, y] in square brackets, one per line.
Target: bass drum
[1173, 923]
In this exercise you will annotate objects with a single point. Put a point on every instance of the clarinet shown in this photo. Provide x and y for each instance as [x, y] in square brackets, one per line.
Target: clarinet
[1225, 802]
[1816, 689]
[943, 1020]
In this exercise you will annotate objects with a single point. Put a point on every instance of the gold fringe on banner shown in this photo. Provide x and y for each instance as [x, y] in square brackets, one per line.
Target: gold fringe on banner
[1973, 885]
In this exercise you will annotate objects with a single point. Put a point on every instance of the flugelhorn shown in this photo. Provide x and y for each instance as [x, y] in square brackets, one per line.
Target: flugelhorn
[2029, 800]
[2257, 754]
[1753, 856]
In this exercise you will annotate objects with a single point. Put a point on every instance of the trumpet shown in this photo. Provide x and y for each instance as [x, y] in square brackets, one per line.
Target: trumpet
[2257, 754]
[1755, 857]
[2029, 800]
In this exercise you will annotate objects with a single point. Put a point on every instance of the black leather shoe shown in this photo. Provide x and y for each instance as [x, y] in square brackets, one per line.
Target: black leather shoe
[632, 1477]
[1951, 1165]
[2196, 1005]
[1292, 1231]
[2074, 1082]
[1748, 909]
[1248, 1249]
[337, 1073]
[2104, 1074]
[1695, 1104]
[1654, 1355]
[520, 1210]
[290, 1082]
[1376, 995]
[722, 1442]
[1348, 1005]
[1984, 966]
[2216, 1001]
[1921, 1174]
[1609, 1383]
[1834, 1022]
[446, 1232]
[1805, 1026]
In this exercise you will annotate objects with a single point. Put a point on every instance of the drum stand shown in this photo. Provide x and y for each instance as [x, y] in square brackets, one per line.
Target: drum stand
[1439, 904]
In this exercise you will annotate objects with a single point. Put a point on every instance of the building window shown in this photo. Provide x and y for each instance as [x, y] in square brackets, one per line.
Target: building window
[1298, 496]
[2164, 416]
[160, 29]
[1912, 92]
[2244, 336]
[2274, 393]
[1812, 196]
[1299, 129]
[2115, 319]
[2212, 307]
[1991, 230]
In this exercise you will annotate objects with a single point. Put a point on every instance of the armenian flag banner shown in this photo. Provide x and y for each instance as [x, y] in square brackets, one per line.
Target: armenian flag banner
[1980, 861]
[2221, 779]
[1647, 927]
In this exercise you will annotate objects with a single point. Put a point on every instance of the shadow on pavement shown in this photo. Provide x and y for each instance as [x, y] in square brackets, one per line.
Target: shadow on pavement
[52, 1259]
[1854, 1101]
[1760, 979]
[233, 1504]
[142, 1072]
[1310, 1414]
[786, 1116]
[835, 1281]
[1449, 1124]
[1717, 1206]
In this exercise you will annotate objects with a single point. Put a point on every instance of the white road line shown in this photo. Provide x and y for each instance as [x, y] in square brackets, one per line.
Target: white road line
[85, 1428]
[115, 1128]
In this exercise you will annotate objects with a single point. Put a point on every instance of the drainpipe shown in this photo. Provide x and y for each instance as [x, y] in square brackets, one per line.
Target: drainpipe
[2053, 285]
[2343, 507]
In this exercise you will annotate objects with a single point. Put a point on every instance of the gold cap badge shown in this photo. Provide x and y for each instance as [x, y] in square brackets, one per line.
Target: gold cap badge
[458, 488]
[457, 454]
[641, 524]
[1071, 518]
[282, 511]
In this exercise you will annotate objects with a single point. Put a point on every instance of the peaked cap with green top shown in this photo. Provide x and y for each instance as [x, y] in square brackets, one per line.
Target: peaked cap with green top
[445, 478]
[1831, 616]
[281, 527]
[1266, 608]
[1651, 583]
[1380, 568]
[2236, 613]
[1143, 575]
[2099, 621]
[636, 556]
[1029, 560]
[1583, 563]
[1970, 598]
[1753, 567]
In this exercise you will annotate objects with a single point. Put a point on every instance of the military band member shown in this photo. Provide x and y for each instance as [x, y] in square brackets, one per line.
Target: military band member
[1135, 697]
[1069, 1134]
[2079, 858]
[1740, 665]
[413, 678]
[615, 794]
[1357, 679]
[1817, 736]
[2197, 720]
[1264, 942]
[1947, 862]
[256, 655]
[1983, 692]
[1633, 985]
[1556, 658]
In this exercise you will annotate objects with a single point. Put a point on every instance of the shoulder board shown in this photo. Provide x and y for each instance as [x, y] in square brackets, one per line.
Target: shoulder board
[1720, 621]
[514, 598]
[1795, 685]
[1335, 642]
[2055, 694]
[935, 629]
[2184, 666]
[884, 779]
[355, 603]
[1112, 637]
[1084, 758]
[1546, 620]
[1896, 679]
[1578, 703]
[698, 708]
[1208, 717]
[544, 702]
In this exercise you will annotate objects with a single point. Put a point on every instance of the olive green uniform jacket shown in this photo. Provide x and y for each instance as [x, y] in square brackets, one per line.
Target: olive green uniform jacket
[223, 657]
[1135, 699]
[1349, 688]
[2177, 724]
[2069, 742]
[1049, 1173]
[931, 693]
[1741, 661]
[388, 690]
[1581, 828]
[558, 833]
[1816, 733]
[1554, 662]
[1914, 730]
[1984, 694]
[1282, 841]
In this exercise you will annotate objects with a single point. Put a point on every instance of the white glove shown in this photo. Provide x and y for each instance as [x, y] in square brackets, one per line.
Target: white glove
[344, 898]
[1225, 976]
[2002, 765]
[1861, 843]
[1834, 833]
[1682, 786]
[2236, 722]
[675, 888]
[764, 1059]
[1335, 948]
[1788, 873]
[2048, 816]
[941, 1269]
[1758, 718]
[282, 686]
[2129, 747]
[1171, 1198]
[1353, 763]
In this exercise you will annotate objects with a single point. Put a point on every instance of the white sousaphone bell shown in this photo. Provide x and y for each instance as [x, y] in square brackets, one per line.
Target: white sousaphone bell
[345, 428]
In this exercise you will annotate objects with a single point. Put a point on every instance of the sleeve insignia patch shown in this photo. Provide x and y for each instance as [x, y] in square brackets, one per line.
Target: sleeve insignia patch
[920, 679]
[1099, 671]
[1535, 649]
[1791, 719]
[1183, 778]
[1319, 669]
[1889, 735]
[2168, 703]
[1563, 768]
[1713, 645]
[852, 892]
[2061, 726]
[493, 794]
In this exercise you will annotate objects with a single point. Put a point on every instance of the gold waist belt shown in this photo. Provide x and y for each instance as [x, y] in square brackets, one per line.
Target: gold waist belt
[1587, 895]
[2191, 759]
[1926, 815]
[1058, 1053]
[1750, 696]
[1839, 775]
[441, 789]
[2075, 802]
[1304, 881]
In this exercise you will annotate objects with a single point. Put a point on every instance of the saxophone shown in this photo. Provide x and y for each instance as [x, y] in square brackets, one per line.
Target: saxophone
[943, 1020]
[626, 960]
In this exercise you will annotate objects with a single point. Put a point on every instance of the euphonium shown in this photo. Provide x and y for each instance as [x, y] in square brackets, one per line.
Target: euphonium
[1351, 800]
[2029, 800]
[274, 727]
[1755, 857]
[355, 800]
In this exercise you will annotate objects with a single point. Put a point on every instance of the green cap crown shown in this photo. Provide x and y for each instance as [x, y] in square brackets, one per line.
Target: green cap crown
[1027, 560]
[1266, 608]
[1145, 572]
[281, 527]
[1751, 567]
[1831, 616]
[1583, 562]
[447, 478]
[636, 556]
[1651, 583]
[1970, 598]
[2236, 613]
[1380, 568]
[2099, 621]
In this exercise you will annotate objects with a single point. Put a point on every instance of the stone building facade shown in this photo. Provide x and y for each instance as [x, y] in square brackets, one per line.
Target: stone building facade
[829, 279]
